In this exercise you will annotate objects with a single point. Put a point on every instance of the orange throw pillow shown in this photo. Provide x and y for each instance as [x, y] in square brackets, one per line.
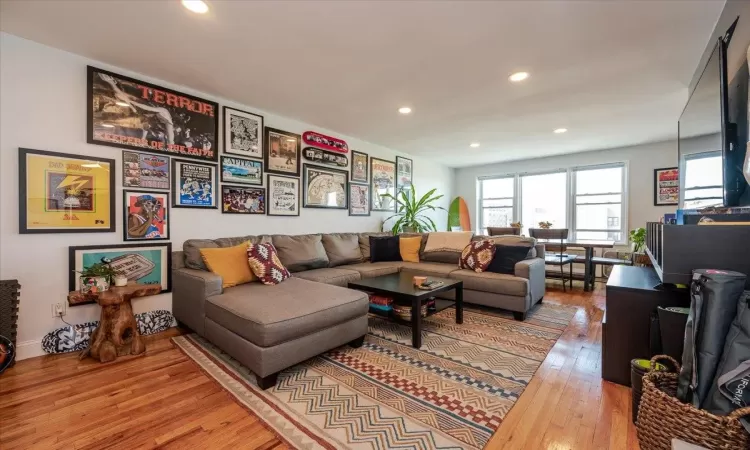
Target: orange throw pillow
[230, 263]
[409, 248]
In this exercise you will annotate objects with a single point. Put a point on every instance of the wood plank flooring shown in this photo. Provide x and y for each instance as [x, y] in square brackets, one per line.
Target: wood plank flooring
[163, 400]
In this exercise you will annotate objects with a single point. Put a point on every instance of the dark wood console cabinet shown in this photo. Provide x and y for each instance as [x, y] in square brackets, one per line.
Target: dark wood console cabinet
[633, 293]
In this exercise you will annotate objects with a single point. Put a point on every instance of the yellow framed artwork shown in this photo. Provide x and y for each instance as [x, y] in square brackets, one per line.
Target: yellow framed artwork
[65, 193]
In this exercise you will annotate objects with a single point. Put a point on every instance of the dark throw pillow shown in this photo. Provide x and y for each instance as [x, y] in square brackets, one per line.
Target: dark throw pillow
[506, 257]
[385, 248]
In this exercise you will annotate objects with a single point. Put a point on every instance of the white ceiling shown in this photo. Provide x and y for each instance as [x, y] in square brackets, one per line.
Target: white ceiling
[614, 73]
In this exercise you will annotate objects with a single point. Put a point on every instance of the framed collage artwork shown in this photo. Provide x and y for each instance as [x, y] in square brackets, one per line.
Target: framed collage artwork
[382, 181]
[666, 186]
[404, 173]
[324, 187]
[193, 185]
[243, 133]
[145, 171]
[359, 199]
[242, 200]
[360, 167]
[283, 196]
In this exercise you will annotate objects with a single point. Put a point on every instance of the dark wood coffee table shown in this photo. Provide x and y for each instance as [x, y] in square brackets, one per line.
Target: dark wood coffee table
[400, 287]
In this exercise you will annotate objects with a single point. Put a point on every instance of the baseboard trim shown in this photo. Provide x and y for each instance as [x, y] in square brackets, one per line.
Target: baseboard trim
[29, 349]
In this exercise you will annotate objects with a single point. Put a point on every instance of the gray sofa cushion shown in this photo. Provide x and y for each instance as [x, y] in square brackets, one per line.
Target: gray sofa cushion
[191, 248]
[302, 252]
[371, 270]
[364, 242]
[340, 276]
[232, 241]
[270, 315]
[342, 248]
[444, 257]
[497, 283]
[429, 269]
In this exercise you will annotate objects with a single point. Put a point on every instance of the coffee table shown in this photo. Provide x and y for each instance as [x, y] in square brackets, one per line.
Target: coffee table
[400, 287]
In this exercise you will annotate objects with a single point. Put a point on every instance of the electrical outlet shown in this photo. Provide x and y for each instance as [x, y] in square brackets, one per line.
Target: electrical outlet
[58, 309]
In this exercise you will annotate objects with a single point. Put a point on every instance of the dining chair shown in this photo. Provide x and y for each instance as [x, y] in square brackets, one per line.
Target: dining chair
[502, 231]
[550, 236]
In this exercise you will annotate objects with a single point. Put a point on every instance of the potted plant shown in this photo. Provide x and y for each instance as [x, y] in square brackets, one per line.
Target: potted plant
[411, 211]
[545, 225]
[638, 245]
[97, 277]
[516, 225]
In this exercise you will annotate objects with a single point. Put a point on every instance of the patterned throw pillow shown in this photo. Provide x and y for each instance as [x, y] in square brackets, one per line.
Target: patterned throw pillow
[266, 265]
[477, 256]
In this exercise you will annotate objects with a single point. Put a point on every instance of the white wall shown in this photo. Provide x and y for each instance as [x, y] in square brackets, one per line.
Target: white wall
[43, 92]
[641, 159]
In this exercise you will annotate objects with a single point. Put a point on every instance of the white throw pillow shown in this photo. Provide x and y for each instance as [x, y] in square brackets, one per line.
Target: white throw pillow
[447, 241]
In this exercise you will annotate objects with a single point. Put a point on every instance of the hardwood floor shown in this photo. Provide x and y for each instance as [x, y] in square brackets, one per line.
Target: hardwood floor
[162, 399]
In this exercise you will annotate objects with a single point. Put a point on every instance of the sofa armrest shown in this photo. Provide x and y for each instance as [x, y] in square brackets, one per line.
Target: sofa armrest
[190, 289]
[533, 270]
[540, 250]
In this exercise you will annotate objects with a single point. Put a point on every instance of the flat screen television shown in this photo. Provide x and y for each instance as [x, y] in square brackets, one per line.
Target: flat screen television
[712, 136]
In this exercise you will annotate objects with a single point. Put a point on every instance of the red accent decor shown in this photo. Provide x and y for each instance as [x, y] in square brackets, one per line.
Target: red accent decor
[265, 263]
[477, 256]
[325, 142]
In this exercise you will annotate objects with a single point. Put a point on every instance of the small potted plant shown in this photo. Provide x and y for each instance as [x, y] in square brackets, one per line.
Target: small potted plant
[545, 225]
[97, 277]
[516, 225]
[638, 245]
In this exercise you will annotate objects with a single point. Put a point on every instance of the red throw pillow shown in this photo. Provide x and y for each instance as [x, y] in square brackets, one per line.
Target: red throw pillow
[477, 256]
[265, 263]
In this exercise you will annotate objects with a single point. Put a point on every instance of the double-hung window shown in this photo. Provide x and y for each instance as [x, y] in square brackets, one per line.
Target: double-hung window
[544, 199]
[703, 180]
[598, 208]
[496, 201]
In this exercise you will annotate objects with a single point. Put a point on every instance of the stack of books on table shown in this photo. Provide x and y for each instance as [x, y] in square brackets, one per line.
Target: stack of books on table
[380, 304]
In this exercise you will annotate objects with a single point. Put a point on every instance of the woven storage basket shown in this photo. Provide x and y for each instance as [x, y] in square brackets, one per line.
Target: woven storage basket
[662, 417]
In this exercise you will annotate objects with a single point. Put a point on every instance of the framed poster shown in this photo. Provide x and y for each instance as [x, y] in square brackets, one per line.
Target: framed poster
[359, 167]
[145, 171]
[243, 133]
[242, 200]
[325, 188]
[241, 170]
[65, 193]
[193, 185]
[146, 215]
[141, 263]
[128, 113]
[404, 173]
[359, 199]
[383, 181]
[666, 186]
[283, 196]
[282, 152]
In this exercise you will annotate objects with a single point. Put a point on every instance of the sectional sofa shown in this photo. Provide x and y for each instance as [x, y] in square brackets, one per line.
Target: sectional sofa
[270, 328]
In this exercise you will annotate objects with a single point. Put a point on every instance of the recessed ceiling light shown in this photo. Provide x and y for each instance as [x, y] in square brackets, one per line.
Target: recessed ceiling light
[518, 76]
[560, 130]
[474, 145]
[122, 104]
[404, 110]
[196, 6]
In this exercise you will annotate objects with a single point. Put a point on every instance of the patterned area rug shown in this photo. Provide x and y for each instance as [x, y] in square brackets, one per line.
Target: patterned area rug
[452, 393]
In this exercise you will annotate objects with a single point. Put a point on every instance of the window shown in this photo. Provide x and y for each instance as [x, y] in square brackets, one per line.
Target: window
[543, 199]
[703, 180]
[598, 206]
[496, 202]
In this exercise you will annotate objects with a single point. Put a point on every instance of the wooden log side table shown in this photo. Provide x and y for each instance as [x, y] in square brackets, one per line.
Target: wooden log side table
[117, 333]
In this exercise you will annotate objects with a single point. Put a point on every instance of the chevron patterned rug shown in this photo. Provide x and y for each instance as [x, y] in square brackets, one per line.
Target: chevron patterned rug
[452, 393]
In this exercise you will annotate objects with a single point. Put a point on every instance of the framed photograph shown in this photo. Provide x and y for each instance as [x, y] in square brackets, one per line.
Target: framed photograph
[282, 152]
[666, 186]
[141, 263]
[383, 181]
[128, 113]
[243, 133]
[359, 199]
[141, 170]
[360, 166]
[146, 215]
[193, 185]
[283, 196]
[242, 200]
[65, 193]
[240, 170]
[404, 173]
[325, 188]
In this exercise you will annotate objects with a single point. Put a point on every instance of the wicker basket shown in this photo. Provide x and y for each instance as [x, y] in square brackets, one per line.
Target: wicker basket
[662, 417]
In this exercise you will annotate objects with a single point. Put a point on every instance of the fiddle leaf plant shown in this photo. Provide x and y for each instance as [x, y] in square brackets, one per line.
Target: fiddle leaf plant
[638, 238]
[411, 212]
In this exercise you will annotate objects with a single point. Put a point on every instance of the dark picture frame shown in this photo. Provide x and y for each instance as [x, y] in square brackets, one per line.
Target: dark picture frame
[400, 185]
[232, 178]
[380, 177]
[367, 195]
[115, 90]
[79, 167]
[166, 259]
[276, 193]
[662, 187]
[153, 182]
[353, 175]
[228, 142]
[126, 214]
[272, 141]
[227, 187]
[324, 177]
[178, 186]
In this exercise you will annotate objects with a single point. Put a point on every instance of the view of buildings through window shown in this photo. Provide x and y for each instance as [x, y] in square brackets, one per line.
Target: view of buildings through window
[703, 180]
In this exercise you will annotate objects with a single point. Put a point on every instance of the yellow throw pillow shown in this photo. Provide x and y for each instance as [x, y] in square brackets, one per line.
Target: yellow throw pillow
[409, 248]
[230, 263]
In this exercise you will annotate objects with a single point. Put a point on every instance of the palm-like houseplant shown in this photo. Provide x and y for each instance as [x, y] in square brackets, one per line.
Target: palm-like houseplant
[410, 211]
